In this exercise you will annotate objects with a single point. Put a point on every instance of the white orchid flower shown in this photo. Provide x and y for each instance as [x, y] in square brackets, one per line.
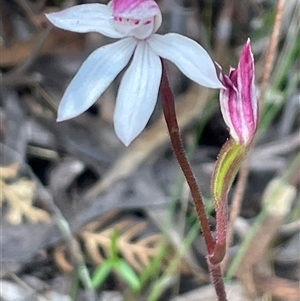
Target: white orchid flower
[135, 23]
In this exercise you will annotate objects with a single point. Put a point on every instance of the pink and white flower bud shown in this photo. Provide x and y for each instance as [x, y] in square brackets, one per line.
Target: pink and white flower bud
[137, 18]
[238, 101]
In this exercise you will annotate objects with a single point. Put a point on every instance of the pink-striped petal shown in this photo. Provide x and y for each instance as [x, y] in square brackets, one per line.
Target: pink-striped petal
[238, 101]
[138, 18]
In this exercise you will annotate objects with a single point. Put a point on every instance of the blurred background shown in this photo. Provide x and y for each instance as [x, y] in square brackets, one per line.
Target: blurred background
[74, 199]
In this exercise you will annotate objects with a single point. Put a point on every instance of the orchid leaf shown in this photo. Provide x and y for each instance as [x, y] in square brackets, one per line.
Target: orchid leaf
[230, 158]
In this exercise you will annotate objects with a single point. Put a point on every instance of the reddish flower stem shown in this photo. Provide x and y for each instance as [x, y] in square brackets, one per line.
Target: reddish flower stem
[172, 124]
[171, 120]
[217, 278]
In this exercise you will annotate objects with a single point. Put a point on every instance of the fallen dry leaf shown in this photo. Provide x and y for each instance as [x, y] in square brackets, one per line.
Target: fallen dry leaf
[10, 171]
[137, 251]
[19, 195]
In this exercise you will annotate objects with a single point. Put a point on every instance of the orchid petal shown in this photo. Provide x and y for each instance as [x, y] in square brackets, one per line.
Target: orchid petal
[137, 18]
[188, 56]
[94, 76]
[228, 104]
[137, 10]
[86, 18]
[238, 101]
[246, 84]
[137, 94]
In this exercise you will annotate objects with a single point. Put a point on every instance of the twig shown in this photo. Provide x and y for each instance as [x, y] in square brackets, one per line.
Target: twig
[244, 171]
[33, 81]
[27, 7]
[271, 52]
[23, 67]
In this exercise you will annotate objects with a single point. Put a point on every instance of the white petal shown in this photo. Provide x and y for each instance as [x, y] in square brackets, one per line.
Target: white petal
[86, 18]
[94, 76]
[137, 94]
[188, 56]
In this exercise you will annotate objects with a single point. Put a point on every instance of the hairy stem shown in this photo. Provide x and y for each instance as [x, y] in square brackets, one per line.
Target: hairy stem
[172, 124]
[216, 274]
[171, 120]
